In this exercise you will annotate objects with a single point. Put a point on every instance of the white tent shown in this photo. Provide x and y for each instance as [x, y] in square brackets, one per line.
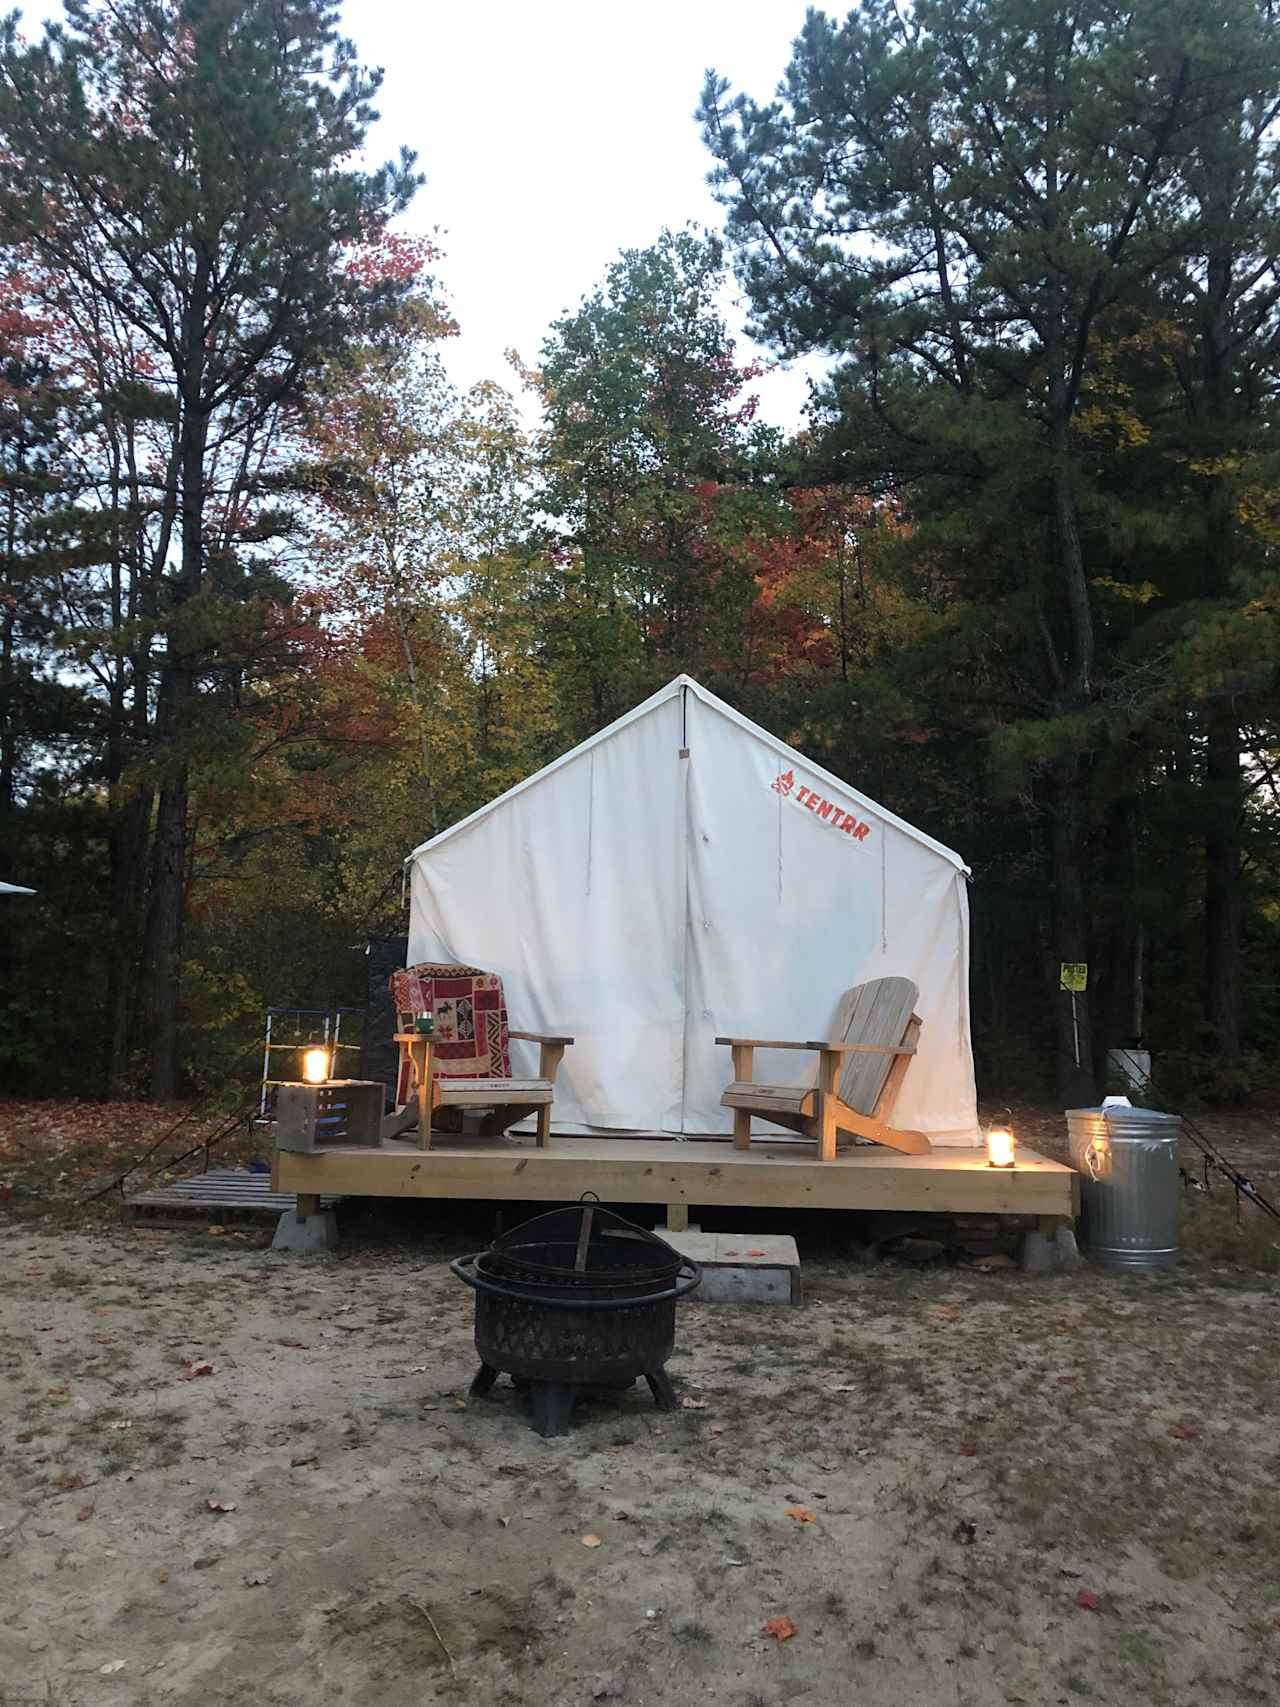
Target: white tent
[15, 889]
[684, 874]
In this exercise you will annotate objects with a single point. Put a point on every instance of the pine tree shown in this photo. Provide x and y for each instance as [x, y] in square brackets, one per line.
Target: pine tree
[953, 199]
[182, 167]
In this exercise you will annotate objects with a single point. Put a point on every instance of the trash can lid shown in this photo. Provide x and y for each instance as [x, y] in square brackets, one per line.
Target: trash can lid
[1123, 1112]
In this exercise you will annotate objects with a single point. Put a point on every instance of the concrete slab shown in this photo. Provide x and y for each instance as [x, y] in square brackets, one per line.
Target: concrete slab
[305, 1233]
[742, 1268]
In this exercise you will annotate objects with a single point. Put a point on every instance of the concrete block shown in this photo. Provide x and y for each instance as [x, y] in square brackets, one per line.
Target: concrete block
[742, 1268]
[305, 1233]
[1044, 1255]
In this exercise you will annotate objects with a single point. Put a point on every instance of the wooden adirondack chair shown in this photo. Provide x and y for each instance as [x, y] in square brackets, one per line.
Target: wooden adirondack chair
[466, 1064]
[860, 1072]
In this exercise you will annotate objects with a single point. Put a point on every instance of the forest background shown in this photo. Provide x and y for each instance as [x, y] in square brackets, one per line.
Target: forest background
[277, 601]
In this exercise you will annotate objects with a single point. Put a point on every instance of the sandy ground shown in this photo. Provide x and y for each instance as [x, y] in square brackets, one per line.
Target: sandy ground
[959, 1487]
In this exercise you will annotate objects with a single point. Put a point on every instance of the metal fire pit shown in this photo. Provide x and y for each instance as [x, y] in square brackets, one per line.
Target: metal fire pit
[574, 1299]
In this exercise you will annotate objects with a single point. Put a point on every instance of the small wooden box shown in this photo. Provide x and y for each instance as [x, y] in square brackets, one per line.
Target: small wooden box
[342, 1114]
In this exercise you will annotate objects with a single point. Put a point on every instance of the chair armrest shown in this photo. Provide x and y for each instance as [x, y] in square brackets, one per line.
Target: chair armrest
[538, 1037]
[815, 1043]
[764, 1043]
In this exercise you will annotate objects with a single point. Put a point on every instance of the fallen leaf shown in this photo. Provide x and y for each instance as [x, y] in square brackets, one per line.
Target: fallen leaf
[590, 1540]
[121, 1426]
[203, 1564]
[606, 1687]
[22, 1439]
[687, 1404]
[220, 1505]
[757, 1253]
[717, 1428]
[780, 1628]
[968, 1449]
[66, 1484]
[1014, 1695]
[620, 1516]
[194, 1370]
[1067, 1380]
[111, 1668]
[85, 1513]
[294, 1345]
[801, 1514]
[844, 1387]
[513, 1469]
[257, 1579]
[1088, 1601]
[1184, 1431]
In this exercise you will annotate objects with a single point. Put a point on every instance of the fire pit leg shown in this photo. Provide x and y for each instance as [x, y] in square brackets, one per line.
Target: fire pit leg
[552, 1403]
[664, 1394]
[483, 1381]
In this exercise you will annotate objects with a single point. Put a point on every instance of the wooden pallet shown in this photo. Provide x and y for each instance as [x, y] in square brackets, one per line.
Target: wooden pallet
[224, 1196]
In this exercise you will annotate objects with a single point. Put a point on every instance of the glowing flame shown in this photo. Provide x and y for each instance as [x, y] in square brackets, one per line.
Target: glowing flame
[1000, 1147]
[315, 1066]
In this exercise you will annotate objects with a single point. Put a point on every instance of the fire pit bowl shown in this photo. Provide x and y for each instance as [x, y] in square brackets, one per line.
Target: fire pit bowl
[576, 1298]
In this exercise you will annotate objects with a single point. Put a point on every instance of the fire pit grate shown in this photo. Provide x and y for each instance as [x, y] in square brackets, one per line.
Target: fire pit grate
[574, 1299]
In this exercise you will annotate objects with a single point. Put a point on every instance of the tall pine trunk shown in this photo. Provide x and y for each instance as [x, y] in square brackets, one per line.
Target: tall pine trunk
[168, 868]
[1223, 905]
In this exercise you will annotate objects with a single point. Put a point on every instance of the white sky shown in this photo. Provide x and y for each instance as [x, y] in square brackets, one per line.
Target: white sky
[553, 134]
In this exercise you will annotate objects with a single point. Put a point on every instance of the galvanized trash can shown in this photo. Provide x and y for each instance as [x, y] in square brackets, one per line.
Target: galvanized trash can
[1127, 1159]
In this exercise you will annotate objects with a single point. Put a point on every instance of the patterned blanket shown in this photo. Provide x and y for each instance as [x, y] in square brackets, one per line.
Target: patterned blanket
[470, 1011]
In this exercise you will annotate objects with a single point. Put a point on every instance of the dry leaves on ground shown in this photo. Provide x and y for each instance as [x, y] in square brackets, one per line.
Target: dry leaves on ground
[801, 1514]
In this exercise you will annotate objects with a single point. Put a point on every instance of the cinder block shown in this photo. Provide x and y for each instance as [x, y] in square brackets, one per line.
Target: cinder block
[742, 1268]
[305, 1233]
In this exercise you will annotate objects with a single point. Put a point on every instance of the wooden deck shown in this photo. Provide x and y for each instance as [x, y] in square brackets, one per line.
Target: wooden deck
[697, 1171]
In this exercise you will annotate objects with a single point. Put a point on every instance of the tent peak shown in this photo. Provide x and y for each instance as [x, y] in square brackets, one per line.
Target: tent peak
[677, 685]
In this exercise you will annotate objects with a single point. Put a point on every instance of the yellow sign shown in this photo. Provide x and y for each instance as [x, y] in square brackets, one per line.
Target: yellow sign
[1074, 976]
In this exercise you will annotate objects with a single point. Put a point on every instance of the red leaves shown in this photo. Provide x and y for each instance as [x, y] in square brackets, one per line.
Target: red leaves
[969, 1449]
[193, 1371]
[1089, 1601]
[780, 1628]
[801, 1514]
[1184, 1431]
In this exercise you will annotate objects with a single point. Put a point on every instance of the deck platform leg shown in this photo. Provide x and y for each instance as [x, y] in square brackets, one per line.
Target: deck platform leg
[544, 1126]
[308, 1204]
[307, 1234]
[677, 1217]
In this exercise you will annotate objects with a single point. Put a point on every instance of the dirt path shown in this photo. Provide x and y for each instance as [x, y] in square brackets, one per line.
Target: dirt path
[1000, 1511]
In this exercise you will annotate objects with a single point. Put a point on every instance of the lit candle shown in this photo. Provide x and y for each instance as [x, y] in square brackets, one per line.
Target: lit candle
[999, 1147]
[315, 1066]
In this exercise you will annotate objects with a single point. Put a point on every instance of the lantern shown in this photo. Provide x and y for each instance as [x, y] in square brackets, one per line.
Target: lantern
[1000, 1147]
[315, 1066]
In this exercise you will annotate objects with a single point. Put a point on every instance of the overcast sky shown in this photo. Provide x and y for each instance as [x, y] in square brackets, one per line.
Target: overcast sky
[553, 134]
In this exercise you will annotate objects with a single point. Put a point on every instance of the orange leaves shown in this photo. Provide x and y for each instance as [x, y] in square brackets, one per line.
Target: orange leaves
[780, 1627]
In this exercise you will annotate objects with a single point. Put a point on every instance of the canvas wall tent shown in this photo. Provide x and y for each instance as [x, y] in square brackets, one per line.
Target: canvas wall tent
[684, 874]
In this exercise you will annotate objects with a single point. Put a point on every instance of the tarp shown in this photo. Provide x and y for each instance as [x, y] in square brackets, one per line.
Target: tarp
[684, 874]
